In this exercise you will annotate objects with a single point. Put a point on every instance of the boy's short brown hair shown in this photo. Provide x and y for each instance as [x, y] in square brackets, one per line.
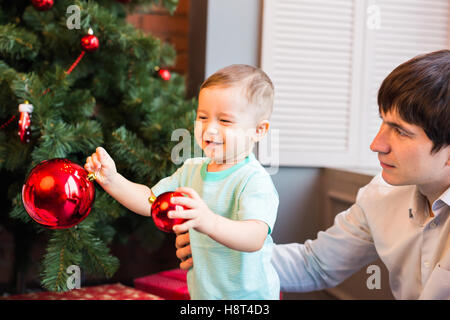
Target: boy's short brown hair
[257, 86]
[419, 90]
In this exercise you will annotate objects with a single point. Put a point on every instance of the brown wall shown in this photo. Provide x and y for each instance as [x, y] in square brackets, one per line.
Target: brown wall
[173, 29]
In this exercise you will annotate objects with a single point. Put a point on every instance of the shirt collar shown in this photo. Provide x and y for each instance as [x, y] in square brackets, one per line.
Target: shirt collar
[418, 211]
[418, 208]
[443, 200]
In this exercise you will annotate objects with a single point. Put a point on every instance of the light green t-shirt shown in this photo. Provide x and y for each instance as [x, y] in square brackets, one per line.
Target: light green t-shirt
[242, 192]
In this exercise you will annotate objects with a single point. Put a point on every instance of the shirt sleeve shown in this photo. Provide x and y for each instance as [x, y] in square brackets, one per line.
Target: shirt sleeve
[259, 201]
[325, 262]
[168, 184]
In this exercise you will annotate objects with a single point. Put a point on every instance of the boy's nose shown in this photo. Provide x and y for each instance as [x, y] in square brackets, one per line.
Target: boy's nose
[211, 129]
[380, 142]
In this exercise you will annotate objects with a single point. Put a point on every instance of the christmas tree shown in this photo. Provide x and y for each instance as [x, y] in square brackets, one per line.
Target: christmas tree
[82, 98]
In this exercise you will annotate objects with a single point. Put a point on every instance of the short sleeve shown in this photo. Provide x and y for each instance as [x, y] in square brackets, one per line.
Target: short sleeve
[259, 201]
[168, 184]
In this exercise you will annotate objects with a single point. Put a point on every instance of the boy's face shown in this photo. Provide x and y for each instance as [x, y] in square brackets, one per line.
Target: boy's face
[226, 126]
[404, 151]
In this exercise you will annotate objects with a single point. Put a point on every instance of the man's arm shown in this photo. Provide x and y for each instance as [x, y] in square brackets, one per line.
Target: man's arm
[325, 262]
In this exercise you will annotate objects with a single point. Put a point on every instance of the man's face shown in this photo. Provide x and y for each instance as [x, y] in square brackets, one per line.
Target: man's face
[404, 152]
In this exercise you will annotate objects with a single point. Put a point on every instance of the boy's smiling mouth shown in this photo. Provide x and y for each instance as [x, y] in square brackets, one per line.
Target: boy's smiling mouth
[212, 143]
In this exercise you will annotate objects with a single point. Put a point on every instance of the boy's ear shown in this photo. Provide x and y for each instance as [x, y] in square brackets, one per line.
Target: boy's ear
[261, 130]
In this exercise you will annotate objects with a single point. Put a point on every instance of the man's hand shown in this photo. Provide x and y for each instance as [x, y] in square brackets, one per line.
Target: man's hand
[184, 253]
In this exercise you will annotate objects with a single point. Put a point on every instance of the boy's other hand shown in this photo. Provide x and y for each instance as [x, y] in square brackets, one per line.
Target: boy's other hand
[101, 163]
[182, 243]
[197, 213]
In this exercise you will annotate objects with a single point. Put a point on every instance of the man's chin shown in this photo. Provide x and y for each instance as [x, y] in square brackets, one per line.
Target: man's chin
[393, 180]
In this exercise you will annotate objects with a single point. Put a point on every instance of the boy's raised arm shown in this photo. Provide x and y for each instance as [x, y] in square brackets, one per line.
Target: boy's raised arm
[132, 195]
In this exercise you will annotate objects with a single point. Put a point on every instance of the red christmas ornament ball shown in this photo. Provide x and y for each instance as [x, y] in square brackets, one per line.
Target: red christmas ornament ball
[57, 194]
[161, 206]
[90, 43]
[42, 5]
[164, 74]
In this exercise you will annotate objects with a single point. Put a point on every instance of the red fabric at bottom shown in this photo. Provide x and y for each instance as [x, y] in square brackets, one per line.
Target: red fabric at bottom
[104, 292]
[170, 285]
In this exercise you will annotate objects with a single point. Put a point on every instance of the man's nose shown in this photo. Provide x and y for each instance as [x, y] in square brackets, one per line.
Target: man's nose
[381, 141]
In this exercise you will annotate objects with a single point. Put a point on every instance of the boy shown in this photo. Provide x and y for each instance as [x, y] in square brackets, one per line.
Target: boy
[231, 201]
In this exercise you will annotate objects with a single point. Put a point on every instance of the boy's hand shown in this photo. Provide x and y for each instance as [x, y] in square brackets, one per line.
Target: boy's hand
[199, 216]
[102, 165]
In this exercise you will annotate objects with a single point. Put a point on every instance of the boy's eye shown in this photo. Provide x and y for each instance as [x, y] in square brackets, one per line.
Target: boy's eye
[202, 117]
[225, 121]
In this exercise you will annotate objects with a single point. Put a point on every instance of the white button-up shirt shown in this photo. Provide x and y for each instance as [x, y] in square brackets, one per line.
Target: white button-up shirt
[390, 222]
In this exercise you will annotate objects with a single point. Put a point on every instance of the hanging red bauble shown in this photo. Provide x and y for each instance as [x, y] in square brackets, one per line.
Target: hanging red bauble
[160, 206]
[42, 5]
[164, 74]
[57, 194]
[90, 42]
[25, 110]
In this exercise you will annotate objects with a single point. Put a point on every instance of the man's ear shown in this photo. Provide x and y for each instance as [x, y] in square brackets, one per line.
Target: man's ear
[261, 130]
[448, 155]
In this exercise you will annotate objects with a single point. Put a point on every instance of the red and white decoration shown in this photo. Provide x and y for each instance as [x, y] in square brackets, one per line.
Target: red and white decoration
[25, 110]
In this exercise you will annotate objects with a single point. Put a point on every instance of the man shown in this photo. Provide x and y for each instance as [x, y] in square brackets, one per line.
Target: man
[402, 215]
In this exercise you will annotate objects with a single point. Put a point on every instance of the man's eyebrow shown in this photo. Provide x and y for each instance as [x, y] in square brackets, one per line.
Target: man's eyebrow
[398, 126]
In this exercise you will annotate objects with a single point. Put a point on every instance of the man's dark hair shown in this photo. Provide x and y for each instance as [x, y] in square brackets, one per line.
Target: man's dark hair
[419, 90]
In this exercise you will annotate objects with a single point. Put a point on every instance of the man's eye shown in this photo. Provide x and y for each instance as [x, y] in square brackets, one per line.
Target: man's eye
[401, 132]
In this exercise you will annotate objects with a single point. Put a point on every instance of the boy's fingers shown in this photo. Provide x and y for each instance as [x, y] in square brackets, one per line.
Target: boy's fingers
[89, 165]
[183, 201]
[102, 154]
[184, 226]
[189, 191]
[95, 163]
[181, 214]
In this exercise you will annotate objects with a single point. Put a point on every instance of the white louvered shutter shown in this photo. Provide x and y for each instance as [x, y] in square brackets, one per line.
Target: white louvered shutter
[327, 65]
[308, 50]
[407, 28]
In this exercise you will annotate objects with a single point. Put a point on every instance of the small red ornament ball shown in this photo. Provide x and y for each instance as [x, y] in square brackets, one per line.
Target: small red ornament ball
[161, 206]
[90, 43]
[164, 74]
[57, 194]
[42, 5]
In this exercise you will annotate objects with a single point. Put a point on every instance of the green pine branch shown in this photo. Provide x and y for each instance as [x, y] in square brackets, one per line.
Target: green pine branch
[112, 98]
[76, 246]
[60, 254]
[18, 43]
